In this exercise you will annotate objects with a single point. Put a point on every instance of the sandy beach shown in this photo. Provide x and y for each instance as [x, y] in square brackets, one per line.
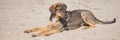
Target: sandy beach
[19, 15]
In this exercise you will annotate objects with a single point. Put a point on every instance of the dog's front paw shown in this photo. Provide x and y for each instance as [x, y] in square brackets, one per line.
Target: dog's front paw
[27, 31]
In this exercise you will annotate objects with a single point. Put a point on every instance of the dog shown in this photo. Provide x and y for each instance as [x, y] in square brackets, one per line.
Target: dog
[76, 18]
[62, 20]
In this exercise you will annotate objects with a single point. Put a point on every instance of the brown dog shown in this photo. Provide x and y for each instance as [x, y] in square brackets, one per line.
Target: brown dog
[61, 19]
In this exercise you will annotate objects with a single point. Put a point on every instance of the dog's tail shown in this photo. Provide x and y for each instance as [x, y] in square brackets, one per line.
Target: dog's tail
[90, 17]
[105, 22]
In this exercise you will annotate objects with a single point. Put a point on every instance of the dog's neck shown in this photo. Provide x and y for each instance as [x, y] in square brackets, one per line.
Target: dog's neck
[64, 21]
[67, 14]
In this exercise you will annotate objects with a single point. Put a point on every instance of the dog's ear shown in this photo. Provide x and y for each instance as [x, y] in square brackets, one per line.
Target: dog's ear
[65, 6]
[52, 8]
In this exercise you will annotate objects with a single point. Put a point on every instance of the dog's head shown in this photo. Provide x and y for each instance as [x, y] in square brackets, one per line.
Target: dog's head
[58, 12]
[58, 8]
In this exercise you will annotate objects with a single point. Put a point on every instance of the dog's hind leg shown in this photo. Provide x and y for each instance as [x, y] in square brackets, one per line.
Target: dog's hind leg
[89, 26]
[88, 20]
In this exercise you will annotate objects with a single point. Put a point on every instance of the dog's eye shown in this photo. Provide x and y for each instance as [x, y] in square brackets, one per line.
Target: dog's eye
[57, 9]
[61, 9]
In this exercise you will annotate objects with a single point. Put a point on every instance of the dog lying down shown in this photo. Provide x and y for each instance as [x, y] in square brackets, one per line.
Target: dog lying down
[61, 20]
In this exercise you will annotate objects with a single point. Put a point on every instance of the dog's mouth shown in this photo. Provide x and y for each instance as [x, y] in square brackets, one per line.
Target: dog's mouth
[58, 17]
[60, 14]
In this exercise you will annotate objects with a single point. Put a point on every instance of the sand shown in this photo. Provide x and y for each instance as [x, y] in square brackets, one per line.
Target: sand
[19, 15]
